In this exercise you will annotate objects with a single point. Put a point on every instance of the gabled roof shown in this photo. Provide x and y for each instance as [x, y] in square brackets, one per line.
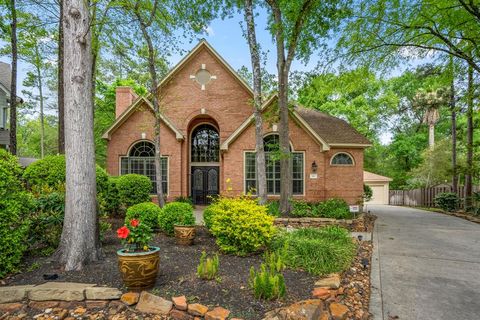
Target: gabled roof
[5, 77]
[130, 110]
[203, 44]
[328, 131]
[372, 177]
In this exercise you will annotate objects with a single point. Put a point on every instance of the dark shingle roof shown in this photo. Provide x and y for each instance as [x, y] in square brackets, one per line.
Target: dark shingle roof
[333, 130]
[5, 75]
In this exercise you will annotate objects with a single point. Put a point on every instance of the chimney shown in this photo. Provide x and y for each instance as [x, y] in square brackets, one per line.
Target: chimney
[124, 97]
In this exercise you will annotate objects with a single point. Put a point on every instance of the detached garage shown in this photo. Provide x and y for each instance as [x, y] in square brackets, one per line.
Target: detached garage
[380, 187]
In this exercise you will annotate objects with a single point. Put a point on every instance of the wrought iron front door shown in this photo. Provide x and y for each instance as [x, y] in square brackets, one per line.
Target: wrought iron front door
[204, 184]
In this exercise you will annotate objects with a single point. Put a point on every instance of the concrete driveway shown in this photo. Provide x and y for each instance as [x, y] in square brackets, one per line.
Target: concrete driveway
[425, 266]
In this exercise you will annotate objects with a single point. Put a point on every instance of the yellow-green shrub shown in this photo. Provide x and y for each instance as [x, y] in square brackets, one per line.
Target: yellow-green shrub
[240, 225]
[208, 267]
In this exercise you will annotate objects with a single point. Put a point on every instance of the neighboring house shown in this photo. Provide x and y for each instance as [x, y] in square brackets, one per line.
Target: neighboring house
[208, 138]
[380, 187]
[5, 81]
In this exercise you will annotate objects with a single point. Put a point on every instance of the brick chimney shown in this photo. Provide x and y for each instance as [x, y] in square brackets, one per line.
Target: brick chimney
[124, 97]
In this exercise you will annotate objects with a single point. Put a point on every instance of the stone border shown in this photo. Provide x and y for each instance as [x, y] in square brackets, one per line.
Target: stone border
[350, 224]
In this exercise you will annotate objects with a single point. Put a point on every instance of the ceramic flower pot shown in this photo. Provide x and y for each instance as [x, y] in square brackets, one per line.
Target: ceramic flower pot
[184, 234]
[139, 269]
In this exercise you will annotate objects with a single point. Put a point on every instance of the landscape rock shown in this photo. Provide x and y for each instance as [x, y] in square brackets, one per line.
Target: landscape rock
[303, 310]
[96, 304]
[217, 313]
[150, 303]
[14, 293]
[102, 293]
[66, 291]
[179, 315]
[338, 311]
[10, 307]
[332, 281]
[180, 302]
[130, 298]
[197, 309]
[42, 305]
[321, 293]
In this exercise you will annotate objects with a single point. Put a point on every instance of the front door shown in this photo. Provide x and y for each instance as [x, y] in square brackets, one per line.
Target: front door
[204, 184]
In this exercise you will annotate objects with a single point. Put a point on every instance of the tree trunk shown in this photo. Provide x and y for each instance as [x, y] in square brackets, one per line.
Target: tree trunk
[156, 107]
[454, 137]
[469, 171]
[13, 88]
[40, 91]
[431, 136]
[285, 169]
[257, 102]
[79, 242]
[60, 88]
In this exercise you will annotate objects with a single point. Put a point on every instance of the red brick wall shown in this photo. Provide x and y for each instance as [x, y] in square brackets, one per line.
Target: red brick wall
[124, 97]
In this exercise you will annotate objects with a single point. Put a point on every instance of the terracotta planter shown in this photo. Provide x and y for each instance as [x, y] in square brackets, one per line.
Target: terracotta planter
[184, 235]
[139, 269]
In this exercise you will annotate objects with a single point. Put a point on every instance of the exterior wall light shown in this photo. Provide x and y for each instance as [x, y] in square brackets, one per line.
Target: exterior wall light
[314, 166]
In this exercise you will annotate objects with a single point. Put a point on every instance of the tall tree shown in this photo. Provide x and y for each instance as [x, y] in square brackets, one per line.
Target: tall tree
[80, 241]
[13, 88]
[60, 86]
[257, 101]
[297, 27]
[469, 166]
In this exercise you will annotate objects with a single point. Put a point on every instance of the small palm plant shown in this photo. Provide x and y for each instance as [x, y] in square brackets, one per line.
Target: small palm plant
[268, 282]
[208, 267]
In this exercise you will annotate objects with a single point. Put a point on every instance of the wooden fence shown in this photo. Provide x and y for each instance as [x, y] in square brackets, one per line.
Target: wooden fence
[424, 197]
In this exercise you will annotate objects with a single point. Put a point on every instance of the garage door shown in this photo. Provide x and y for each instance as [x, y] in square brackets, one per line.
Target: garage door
[379, 196]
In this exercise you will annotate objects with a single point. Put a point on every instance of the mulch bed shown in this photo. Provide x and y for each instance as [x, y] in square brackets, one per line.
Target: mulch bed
[177, 275]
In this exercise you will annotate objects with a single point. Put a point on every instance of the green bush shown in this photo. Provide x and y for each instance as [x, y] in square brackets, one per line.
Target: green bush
[318, 251]
[240, 225]
[50, 171]
[332, 208]
[268, 282]
[301, 208]
[109, 199]
[15, 206]
[133, 189]
[367, 193]
[146, 212]
[274, 208]
[208, 267]
[175, 213]
[447, 201]
[188, 200]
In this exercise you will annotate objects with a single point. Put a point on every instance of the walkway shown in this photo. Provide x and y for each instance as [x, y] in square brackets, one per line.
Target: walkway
[425, 266]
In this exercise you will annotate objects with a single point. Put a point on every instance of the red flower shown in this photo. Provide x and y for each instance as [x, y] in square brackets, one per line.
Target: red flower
[134, 222]
[123, 232]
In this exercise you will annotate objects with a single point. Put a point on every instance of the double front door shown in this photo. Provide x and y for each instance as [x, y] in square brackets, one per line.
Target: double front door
[205, 183]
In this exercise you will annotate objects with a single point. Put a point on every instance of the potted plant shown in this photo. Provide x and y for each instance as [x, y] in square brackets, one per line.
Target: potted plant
[138, 261]
[184, 228]
[176, 218]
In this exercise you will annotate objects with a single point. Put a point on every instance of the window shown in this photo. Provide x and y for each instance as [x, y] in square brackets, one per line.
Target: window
[342, 159]
[141, 160]
[205, 144]
[273, 168]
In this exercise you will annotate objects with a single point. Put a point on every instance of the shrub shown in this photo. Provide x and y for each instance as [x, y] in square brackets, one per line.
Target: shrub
[367, 193]
[301, 208]
[274, 208]
[447, 201]
[50, 171]
[268, 283]
[208, 267]
[332, 208]
[15, 205]
[133, 189]
[175, 213]
[188, 200]
[318, 251]
[208, 215]
[147, 212]
[109, 199]
[240, 225]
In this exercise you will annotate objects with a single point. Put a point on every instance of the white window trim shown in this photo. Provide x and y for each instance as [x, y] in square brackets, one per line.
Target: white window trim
[342, 165]
[273, 195]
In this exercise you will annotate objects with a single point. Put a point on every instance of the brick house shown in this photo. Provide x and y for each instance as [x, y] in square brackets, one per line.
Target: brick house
[208, 138]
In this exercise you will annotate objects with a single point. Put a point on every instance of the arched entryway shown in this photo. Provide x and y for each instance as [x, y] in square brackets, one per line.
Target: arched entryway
[204, 162]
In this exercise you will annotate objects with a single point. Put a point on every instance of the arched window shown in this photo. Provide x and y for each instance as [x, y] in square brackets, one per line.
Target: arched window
[272, 162]
[205, 144]
[141, 160]
[342, 159]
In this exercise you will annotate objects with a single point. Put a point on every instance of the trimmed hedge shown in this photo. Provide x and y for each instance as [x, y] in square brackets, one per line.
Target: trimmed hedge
[133, 189]
[331, 208]
[15, 205]
[240, 225]
[146, 212]
[173, 213]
